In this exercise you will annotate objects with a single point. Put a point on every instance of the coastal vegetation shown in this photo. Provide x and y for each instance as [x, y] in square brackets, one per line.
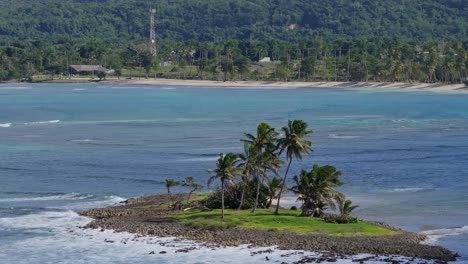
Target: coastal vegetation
[250, 181]
[312, 60]
[339, 40]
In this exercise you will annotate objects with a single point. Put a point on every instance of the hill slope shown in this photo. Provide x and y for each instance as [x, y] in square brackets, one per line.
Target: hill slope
[208, 20]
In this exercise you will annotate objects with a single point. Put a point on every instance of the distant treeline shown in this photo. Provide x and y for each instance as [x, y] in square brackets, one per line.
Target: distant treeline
[363, 59]
[124, 21]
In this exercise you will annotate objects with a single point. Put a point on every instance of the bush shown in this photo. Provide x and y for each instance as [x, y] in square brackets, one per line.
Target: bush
[339, 219]
[233, 194]
[101, 75]
[293, 208]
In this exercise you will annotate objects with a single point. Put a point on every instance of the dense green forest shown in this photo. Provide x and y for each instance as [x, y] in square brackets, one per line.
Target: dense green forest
[123, 21]
[335, 40]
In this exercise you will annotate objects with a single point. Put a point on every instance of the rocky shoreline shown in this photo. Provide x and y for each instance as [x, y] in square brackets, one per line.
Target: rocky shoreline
[144, 216]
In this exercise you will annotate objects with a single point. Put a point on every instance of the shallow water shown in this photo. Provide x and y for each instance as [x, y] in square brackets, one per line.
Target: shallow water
[66, 147]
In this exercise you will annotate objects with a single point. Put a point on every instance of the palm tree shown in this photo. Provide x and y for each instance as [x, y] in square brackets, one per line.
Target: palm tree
[190, 183]
[245, 164]
[273, 186]
[169, 184]
[346, 207]
[262, 155]
[295, 144]
[316, 189]
[267, 161]
[226, 170]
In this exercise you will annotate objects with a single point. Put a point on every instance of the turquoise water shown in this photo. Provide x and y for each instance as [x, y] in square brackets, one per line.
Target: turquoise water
[66, 147]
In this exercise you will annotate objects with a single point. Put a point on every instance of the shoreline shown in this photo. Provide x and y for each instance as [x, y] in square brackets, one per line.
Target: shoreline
[440, 87]
[140, 216]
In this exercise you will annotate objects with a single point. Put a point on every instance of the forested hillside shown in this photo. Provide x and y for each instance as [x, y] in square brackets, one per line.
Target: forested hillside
[124, 21]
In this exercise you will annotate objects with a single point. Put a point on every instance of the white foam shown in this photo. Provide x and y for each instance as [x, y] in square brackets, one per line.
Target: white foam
[201, 159]
[68, 196]
[5, 125]
[411, 189]
[434, 235]
[168, 88]
[42, 122]
[79, 89]
[108, 201]
[60, 240]
[82, 140]
[336, 136]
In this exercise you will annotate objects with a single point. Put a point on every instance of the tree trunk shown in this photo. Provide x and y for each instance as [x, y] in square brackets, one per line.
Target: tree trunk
[270, 201]
[170, 197]
[242, 198]
[222, 199]
[282, 187]
[188, 198]
[256, 197]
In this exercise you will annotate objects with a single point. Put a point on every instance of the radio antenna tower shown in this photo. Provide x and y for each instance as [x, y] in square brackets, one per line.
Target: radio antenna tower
[153, 49]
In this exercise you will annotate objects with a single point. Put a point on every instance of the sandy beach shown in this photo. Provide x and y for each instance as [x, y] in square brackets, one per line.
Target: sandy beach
[280, 85]
[247, 84]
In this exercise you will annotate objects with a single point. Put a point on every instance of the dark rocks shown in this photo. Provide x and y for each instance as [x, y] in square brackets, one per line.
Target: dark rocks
[185, 250]
[152, 253]
[144, 216]
[162, 252]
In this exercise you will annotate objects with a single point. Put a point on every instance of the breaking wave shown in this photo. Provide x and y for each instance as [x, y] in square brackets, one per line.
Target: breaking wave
[337, 136]
[434, 235]
[55, 197]
[42, 122]
[399, 190]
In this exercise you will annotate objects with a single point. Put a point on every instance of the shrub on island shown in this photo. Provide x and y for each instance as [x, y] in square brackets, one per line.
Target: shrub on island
[339, 219]
[232, 194]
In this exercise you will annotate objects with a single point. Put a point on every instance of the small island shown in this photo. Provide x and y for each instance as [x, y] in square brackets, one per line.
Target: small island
[245, 209]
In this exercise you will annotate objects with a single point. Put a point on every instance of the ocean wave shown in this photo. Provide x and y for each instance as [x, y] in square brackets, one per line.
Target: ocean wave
[42, 122]
[402, 120]
[10, 169]
[79, 89]
[337, 136]
[168, 88]
[107, 201]
[84, 140]
[410, 189]
[5, 125]
[434, 235]
[64, 237]
[201, 159]
[55, 197]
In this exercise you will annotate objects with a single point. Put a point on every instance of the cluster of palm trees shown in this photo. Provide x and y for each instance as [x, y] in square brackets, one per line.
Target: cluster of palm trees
[262, 158]
[260, 164]
[316, 190]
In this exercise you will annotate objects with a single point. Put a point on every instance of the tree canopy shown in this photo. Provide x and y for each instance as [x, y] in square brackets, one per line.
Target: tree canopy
[122, 21]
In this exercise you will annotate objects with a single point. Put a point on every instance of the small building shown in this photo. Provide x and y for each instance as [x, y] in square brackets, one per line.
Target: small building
[265, 59]
[89, 69]
[293, 26]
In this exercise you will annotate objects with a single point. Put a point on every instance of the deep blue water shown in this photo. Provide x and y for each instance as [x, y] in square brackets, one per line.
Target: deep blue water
[67, 147]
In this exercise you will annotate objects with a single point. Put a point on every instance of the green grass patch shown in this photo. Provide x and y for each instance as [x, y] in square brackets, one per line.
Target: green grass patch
[265, 219]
